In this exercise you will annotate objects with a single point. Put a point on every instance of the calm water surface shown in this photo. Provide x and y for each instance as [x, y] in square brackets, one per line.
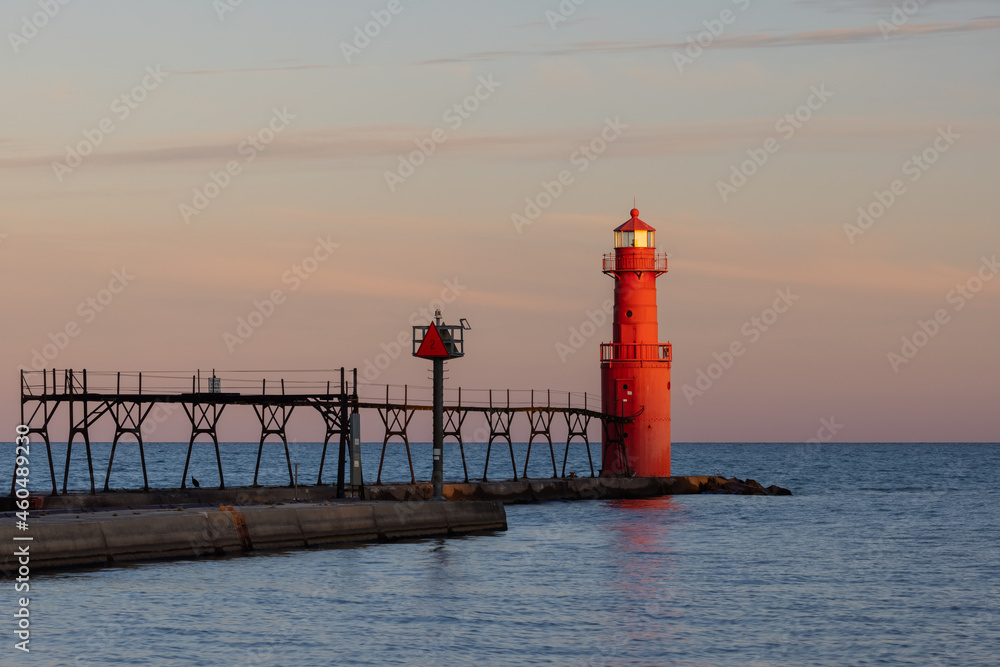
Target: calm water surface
[886, 554]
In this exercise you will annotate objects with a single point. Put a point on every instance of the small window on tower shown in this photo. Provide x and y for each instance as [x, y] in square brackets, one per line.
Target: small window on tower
[628, 313]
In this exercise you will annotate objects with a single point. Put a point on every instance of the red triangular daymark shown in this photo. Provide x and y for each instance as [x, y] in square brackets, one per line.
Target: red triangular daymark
[432, 346]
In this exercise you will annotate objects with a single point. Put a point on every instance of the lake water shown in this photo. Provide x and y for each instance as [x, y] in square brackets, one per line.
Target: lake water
[886, 554]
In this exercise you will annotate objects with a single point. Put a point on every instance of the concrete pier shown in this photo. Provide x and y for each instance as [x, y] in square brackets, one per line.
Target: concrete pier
[68, 539]
[82, 529]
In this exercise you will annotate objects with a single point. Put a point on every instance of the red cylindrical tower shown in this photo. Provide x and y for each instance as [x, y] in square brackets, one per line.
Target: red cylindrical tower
[635, 367]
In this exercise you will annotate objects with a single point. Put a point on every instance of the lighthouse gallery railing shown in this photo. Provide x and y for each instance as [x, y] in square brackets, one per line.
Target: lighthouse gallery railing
[636, 352]
[631, 262]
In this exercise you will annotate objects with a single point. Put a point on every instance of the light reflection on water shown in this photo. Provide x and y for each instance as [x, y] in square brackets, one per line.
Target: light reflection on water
[887, 553]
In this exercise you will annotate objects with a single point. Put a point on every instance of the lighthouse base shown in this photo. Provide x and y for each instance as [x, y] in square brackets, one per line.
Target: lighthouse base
[639, 391]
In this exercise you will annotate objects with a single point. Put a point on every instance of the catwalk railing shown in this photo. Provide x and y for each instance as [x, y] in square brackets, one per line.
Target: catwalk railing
[128, 398]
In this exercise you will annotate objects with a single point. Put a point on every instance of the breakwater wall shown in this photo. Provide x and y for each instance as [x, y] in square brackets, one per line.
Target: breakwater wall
[66, 539]
[508, 492]
[81, 529]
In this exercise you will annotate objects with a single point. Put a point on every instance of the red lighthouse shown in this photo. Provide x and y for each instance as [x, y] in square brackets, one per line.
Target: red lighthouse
[635, 367]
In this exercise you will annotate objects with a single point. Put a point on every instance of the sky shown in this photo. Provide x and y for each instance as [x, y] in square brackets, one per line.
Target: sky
[166, 167]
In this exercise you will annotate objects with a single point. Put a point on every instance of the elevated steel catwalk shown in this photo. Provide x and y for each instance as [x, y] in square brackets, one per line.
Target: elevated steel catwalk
[92, 396]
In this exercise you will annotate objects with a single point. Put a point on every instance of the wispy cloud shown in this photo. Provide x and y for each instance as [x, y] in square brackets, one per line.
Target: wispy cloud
[878, 7]
[286, 68]
[754, 41]
[548, 26]
[355, 143]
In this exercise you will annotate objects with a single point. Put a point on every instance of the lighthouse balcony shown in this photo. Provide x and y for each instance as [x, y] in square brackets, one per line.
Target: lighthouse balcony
[636, 262]
[636, 352]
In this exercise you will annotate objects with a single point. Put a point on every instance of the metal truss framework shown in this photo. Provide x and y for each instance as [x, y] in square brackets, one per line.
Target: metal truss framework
[128, 409]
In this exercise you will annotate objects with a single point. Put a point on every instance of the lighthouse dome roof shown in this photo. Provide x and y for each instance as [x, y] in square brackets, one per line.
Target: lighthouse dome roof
[634, 224]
